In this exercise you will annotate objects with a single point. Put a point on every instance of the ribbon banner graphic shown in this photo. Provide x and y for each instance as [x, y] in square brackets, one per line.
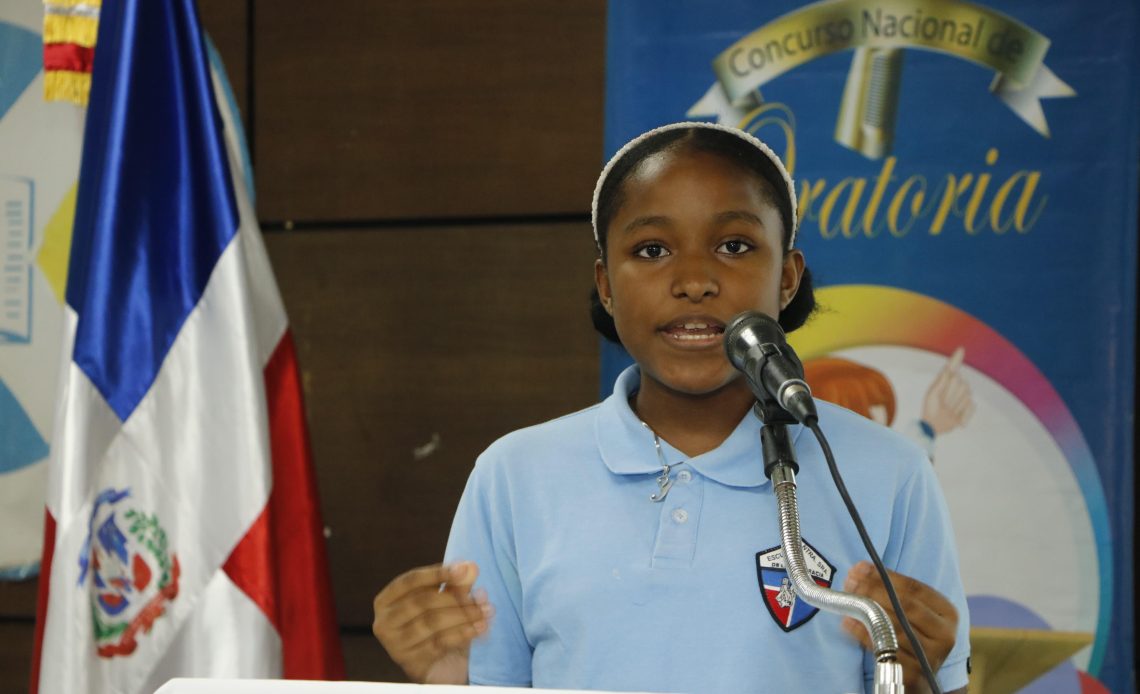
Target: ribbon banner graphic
[877, 30]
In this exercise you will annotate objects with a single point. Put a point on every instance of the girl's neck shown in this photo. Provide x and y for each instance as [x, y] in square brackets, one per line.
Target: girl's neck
[693, 424]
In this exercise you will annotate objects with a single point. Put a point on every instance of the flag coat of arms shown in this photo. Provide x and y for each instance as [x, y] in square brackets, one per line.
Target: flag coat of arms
[183, 534]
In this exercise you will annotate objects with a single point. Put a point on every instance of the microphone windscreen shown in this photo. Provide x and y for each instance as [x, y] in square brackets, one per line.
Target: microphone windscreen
[748, 330]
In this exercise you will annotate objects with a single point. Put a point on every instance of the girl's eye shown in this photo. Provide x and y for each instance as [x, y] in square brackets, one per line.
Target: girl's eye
[735, 247]
[651, 250]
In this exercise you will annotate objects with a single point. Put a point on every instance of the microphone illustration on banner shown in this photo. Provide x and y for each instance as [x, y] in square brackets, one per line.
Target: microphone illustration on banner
[757, 346]
[870, 103]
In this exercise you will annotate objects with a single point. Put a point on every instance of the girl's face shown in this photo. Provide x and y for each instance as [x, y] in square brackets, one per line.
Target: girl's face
[695, 242]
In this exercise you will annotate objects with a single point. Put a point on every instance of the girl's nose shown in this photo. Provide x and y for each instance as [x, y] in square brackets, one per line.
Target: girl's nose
[695, 280]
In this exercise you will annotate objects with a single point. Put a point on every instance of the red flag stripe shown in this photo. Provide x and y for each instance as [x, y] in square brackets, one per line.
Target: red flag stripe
[68, 56]
[42, 598]
[250, 567]
[281, 563]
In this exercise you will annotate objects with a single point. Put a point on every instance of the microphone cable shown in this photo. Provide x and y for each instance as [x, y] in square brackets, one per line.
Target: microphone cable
[813, 424]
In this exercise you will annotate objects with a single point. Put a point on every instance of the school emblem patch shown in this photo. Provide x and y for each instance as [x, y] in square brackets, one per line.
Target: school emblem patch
[128, 571]
[779, 595]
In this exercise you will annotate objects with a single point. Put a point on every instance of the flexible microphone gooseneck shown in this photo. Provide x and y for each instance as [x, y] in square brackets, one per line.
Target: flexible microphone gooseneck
[757, 346]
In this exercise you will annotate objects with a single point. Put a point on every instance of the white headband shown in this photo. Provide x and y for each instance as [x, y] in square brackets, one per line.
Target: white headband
[789, 187]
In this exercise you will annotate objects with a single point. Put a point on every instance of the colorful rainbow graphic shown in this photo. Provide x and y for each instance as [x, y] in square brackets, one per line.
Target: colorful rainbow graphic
[862, 315]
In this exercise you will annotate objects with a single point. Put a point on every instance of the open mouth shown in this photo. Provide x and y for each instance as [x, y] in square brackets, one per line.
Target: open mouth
[695, 331]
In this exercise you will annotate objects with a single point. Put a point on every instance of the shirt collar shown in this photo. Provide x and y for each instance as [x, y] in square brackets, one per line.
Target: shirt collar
[627, 447]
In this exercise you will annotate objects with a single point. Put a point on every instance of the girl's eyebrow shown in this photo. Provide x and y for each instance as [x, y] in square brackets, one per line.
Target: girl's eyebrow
[655, 220]
[721, 218]
[738, 215]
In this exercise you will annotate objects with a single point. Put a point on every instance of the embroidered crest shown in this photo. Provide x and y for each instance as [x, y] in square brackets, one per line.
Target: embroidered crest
[780, 595]
[133, 574]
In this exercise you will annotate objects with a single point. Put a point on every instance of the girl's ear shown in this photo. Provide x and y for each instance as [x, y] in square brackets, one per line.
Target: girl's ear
[602, 282]
[791, 272]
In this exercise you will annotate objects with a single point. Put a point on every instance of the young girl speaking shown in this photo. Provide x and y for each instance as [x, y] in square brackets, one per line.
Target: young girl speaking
[635, 545]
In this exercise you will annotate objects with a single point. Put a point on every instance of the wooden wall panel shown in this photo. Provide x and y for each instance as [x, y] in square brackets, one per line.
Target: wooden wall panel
[407, 335]
[15, 655]
[18, 600]
[17, 627]
[386, 109]
[366, 661]
[227, 24]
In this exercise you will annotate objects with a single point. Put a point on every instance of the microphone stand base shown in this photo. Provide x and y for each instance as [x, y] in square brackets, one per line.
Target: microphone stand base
[888, 677]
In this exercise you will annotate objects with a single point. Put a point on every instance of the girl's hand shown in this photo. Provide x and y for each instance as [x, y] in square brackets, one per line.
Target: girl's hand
[426, 618]
[933, 618]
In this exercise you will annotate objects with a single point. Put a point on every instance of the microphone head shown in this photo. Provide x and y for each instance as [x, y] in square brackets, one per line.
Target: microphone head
[746, 332]
[756, 345]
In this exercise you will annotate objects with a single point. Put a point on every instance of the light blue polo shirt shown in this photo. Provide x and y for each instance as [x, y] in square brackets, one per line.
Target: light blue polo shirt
[595, 586]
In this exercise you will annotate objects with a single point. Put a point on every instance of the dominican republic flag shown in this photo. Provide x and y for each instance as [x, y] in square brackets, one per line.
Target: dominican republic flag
[183, 533]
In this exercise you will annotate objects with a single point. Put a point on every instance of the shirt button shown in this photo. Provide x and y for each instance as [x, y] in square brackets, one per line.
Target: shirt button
[684, 475]
[680, 515]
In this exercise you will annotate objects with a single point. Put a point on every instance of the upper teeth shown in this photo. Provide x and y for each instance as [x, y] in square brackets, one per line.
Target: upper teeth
[695, 326]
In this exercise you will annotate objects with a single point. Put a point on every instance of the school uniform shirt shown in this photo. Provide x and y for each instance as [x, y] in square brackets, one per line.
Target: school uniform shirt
[596, 586]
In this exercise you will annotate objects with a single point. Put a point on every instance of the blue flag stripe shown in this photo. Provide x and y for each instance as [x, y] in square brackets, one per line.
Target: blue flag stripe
[155, 205]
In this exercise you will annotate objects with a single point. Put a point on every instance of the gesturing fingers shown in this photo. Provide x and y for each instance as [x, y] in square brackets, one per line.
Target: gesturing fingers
[460, 575]
[432, 608]
[429, 614]
[427, 595]
[933, 617]
[929, 612]
[448, 628]
[424, 645]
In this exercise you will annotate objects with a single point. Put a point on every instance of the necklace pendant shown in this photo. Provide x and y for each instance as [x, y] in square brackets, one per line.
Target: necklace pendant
[664, 484]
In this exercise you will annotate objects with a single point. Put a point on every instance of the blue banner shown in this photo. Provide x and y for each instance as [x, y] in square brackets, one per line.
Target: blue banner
[968, 180]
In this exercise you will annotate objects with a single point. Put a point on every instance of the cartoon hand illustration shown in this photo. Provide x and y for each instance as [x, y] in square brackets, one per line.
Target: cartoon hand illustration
[948, 404]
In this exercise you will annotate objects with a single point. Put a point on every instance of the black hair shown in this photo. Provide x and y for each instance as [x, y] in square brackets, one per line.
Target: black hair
[711, 141]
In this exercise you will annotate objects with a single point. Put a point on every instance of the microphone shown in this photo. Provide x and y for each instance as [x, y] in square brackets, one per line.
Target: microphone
[756, 345]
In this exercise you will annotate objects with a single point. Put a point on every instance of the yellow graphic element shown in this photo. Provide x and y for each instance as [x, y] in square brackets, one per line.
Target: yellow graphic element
[892, 202]
[75, 29]
[1005, 660]
[56, 248]
[752, 115]
[852, 316]
[777, 115]
[895, 203]
[72, 4]
[955, 27]
[850, 304]
[870, 102]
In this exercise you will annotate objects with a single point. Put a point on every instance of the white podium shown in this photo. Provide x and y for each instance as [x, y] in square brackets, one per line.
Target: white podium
[211, 686]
